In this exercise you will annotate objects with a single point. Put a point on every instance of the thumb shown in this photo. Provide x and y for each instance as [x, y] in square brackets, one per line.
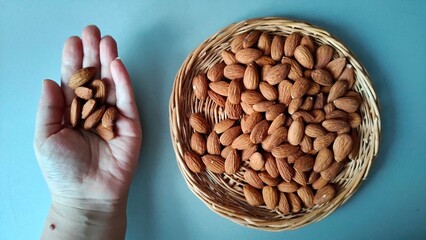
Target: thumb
[50, 110]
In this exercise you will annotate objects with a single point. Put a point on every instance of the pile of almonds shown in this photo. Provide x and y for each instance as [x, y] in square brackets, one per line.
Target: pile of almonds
[291, 119]
[88, 108]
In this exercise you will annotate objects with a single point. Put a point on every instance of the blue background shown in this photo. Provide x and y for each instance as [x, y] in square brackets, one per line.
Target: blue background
[154, 37]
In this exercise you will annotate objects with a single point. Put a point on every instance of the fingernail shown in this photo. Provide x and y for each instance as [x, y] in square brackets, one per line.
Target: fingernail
[118, 58]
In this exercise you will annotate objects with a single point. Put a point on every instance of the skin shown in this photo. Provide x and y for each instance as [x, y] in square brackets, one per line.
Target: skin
[88, 177]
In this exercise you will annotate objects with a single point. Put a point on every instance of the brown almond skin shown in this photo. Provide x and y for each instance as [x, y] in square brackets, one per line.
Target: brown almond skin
[336, 67]
[304, 163]
[264, 43]
[246, 153]
[200, 86]
[331, 172]
[247, 55]
[322, 77]
[215, 73]
[229, 57]
[323, 56]
[283, 204]
[234, 91]
[291, 42]
[94, 118]
[314, 130]
[232, 162]
[223, 125]
[268, 179]
[338, 89]
[304, 56]
[199, 123]
[193, 162]
[214, 163]
[270, 197]
[300, 178]
[248, 122]
[234, 71]
[295, 202]
[288, 187]
[300, 87]
[354, 119]
[284, 92]
[229, 135]
[323, 160]
[84, 93]
[306, 195]
[81, 77]
[216, 98]
[308, 41]
[213, 144]
[324, 195]
[347, 104]
[296, 132]
[260, 132]
[75, 112]
[277, 73]
[251, 97]
[286, 171]
[106, 133]
[348, 74]
[342, 146]
[274, 111]
[324, 141]
[251, 77]
[275, 139]
[284, 150]
[237, 42]
[271, 165]
[198, 143]
[251, 38]
[279, 121]
[88, 108]
[242, 142]
[268, 91]
[233, 111]
[251, 177]
[257, 162]
[253, 196]
[277, 48]
[220, 87]
[336, 125]
[100, 90]
[109, 117]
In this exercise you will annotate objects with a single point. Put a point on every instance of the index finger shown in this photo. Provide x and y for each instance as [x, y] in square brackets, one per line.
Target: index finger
[72, 57]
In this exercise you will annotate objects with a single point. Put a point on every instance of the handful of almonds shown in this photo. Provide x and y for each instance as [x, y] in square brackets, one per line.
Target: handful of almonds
[88, 109]
[291, 119]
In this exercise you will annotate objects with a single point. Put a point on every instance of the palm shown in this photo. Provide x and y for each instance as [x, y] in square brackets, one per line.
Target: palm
[78, 164]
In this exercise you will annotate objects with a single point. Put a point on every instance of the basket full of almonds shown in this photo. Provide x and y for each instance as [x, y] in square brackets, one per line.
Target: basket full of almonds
[274, 123]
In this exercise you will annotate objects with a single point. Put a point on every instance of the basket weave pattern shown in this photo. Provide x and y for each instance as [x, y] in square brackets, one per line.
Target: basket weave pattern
[223, 193]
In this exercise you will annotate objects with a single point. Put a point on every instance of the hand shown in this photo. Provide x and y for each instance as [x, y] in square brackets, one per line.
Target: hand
[82, 170]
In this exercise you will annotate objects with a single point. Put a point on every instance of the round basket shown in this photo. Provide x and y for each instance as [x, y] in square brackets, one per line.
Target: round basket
[223, 193]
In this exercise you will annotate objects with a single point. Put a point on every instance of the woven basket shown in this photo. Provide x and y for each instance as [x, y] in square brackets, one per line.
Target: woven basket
[223, 193]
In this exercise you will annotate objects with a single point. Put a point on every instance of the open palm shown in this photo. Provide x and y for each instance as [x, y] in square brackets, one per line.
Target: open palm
[77, 164]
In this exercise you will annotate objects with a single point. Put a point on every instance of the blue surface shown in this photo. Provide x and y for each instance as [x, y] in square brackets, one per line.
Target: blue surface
[154, 38]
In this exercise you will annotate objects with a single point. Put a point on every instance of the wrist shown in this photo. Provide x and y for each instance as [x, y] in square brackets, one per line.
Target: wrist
[85, 220]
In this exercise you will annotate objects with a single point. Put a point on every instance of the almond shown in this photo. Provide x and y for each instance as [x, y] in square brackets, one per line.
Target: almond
[214, 163]
[251, 38]
[259, 132]
[324, 141]
[264, 43]
[313, 177]
[337, 114]
[94, 118]
[304, 163]
[223, 125]
[264, 61]
[304, 56]
[247, 55]
[355, 148]
[329, 107]
[324, 195]
[234, 91]
[308, 104]
[277, 47]
[268, 179]
[229, 57]
[342, 146]
[271, 165]
[233, 111]
[251, 77]
[354, 119]
[219, 87]
[246, 153]
[251, 97]
[322, 77]
[81, 77]
[106, 133]
[277, 73]
[336, 125]
[75, 112]
[84, 93]
[100, 90]
[274, 111]
[296, 131]
[305, 116]
[300, 88]
[296, 70]
[348, 74]
[275, 139]
[336, 67]
[283, 204]
[88, 108]
[284, 92]
[193, 161]
[253, 196]
[319, 101]
[286, 171]
[200, 86]
[347, 104]
[314, 88]
[323, 160]
[199, 123]
[323, 56]
[291, 43]
[249, 121]
[294, 105]
[292, 157]
[229, 135]
[265, 70]
[270, 197]
[279, 121]
[247, 108]
[331, 172]
[354, 95]
[242, 142]
[306, 195]
[308, 41]
[256, 161]
[317, 115]
[262, 106]
[320, 183]
[226, 151]
[338, 90]
[234, 71]
[314, 130]
[295, 202]
[284, 150]
[109, 117]
[268, 91]
[288, 187]
[198, 143]
[232, 162]
[237, 42]
[306, 145]
[301, 178]
[216, 98]
[251, 177]
[213, 144]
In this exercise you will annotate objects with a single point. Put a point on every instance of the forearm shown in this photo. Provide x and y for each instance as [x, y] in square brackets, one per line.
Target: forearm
[65, 222]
